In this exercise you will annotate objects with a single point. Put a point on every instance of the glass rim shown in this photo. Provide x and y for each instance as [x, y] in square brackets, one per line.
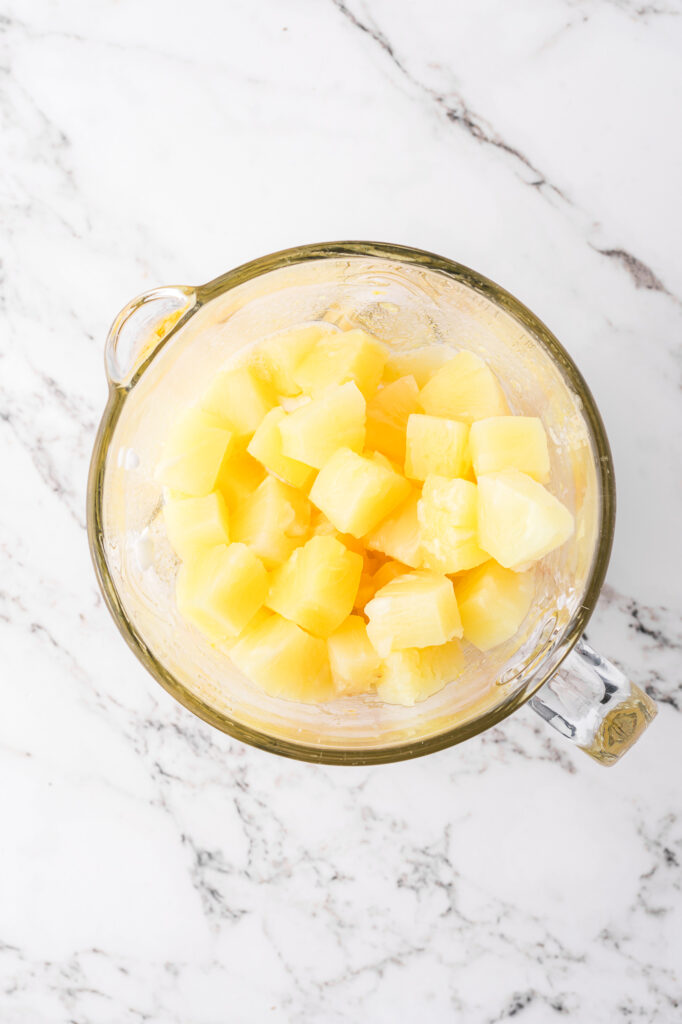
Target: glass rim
[410, 748]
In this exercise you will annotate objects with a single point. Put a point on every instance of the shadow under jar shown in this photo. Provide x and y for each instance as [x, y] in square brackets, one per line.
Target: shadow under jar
[163, 350]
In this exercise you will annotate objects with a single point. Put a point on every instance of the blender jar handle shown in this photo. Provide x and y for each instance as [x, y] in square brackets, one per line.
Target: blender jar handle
[140, 328]
[591, 702]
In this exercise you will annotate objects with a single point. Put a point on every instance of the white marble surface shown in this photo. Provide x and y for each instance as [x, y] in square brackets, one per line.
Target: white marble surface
[151, 869]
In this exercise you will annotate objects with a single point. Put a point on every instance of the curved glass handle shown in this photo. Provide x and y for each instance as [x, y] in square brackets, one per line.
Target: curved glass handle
[591, 702]
[140, 327]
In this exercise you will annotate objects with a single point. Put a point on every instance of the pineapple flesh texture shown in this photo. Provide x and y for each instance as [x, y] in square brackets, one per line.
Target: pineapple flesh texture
[284, 660]
[399, 535]
[266, 446]
[276, 358]
[320, 526]
[196, 523]
[448, 520]
[241, 397]
[272, 521]
[221, 589]
[387, 415]
[420, 363]
[316, 586]
[356, 493]
[194, 453]
[355, 665]
[436, 446]
[415, 610]
[338, 358]
[371, 581]
[239, 476]
[464, 389]
[510, 442]
[313, 432]
[519, 521]
[411, 676]
[493, 602]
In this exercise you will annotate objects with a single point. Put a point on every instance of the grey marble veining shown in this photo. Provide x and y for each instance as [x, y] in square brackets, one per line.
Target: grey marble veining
[152, 869]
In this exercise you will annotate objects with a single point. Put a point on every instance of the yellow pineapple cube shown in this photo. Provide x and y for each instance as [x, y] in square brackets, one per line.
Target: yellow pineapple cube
[355, 665]
[356, 493]
[241, 397]
[447, 513]
[519, 521]
[445, 661]
[420, 363]
[193, 453]
[387, 415]
[418, 609]
[266, 446]
[239, 475]
[466, 389]
[398, 535]
[195, 523]
[272, 521]
[312, 433]
[221, 589]
[185, 589]
[276, 358]
[284, 660]
[316, 586]
[510, 442]
[411, 676]
[436, 445]
[337, 358]
[493, 602]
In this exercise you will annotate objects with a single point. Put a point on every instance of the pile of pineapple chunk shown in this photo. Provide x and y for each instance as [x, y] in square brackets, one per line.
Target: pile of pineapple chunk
[345, 514]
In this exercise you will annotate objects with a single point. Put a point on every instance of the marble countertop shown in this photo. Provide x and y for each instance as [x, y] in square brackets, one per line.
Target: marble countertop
[152, 869]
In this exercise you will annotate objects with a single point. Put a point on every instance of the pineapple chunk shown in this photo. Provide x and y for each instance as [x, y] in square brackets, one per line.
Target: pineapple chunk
[356, 493]
[284, 660]
[493, 602]
[418, 609]
[193, 453]
[276, 358]
[195, 523]
[510, 442]
[447, 514]
[420, 363]
[411, 676]
[239, 476]
[387, 415]
[355, 665]
[272, 521]
[313, 432]
[316, 587]
[436, 445]
[398, 535]
[221, 589]
[240, 396]
[519, 521]
[266, 446]
[337, 358]
[464, 389]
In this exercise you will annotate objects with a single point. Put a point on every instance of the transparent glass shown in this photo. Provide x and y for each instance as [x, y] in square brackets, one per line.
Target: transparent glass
[161, 353]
